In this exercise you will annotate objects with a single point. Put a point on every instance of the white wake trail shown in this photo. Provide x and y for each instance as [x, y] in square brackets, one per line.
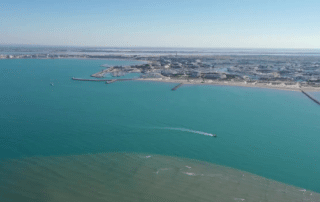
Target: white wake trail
[190, 131]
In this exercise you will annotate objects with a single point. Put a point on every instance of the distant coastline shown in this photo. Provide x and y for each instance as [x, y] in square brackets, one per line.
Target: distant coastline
[275, 72]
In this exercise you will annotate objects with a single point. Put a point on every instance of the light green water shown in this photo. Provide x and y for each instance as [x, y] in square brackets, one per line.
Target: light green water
[270, 133]
[139, 177]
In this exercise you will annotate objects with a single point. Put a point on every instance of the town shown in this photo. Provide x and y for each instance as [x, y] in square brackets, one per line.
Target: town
[265, 69]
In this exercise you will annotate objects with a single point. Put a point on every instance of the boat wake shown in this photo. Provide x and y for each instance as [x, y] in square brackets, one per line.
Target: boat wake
[190, 131]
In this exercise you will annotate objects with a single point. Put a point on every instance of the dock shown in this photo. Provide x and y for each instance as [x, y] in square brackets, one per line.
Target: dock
[176, 87]
[309, 96]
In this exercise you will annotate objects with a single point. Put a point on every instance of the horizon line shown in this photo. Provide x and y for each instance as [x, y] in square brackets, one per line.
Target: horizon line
[171, 47]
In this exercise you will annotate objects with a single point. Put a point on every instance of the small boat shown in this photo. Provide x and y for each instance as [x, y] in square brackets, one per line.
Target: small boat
[51, 84]
[214, 135]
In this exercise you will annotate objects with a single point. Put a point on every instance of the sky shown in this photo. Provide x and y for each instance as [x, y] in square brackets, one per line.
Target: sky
[165, 23]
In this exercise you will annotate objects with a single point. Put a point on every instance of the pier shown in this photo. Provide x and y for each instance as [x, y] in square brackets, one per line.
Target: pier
[176, 87]
[309, 96]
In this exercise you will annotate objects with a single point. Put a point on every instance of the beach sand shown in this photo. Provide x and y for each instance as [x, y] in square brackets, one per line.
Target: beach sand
[280, 86]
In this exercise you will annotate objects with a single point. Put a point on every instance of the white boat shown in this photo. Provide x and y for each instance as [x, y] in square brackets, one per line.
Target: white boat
[51, 84]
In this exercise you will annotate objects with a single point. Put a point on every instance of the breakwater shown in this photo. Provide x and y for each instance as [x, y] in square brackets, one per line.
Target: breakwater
[309, 96]
[79, 79]
[176, 87]
[111, 81]
[125, 79]
[105, 80]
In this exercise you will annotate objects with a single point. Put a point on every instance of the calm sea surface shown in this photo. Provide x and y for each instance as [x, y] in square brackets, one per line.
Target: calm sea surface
[270, 133]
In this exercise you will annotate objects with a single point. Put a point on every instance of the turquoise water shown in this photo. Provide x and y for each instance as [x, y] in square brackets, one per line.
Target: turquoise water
[316, 95]
[271, 133]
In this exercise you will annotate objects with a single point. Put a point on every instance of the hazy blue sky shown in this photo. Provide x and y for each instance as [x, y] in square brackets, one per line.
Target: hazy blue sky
[174, 23]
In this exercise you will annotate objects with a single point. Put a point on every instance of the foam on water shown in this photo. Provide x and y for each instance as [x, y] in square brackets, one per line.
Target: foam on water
[188, 130]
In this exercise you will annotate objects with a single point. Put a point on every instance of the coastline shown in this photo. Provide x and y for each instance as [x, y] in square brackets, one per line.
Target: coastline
[193, 81]
[233, 83]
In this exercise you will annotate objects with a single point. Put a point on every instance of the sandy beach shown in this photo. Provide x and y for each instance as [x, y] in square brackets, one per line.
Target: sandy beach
[281, 86]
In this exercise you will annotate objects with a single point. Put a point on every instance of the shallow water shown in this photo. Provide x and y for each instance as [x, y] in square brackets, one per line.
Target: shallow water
[136, 177]
[271, 133]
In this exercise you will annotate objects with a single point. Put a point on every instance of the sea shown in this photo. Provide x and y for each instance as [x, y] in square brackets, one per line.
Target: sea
[140, 141]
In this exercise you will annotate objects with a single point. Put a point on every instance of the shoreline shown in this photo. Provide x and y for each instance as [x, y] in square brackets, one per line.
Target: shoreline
[195, 81]
[232, 83]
